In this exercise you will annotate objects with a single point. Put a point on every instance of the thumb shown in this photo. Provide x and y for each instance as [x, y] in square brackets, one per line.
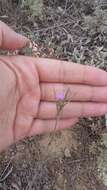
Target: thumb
[9, 39]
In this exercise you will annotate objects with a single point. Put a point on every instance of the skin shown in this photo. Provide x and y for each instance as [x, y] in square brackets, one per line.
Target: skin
[28, 86]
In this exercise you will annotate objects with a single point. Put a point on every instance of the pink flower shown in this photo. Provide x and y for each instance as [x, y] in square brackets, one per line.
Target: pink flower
[60, 96]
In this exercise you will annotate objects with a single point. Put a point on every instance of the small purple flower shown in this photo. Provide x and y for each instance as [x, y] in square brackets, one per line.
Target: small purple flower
[60, 96]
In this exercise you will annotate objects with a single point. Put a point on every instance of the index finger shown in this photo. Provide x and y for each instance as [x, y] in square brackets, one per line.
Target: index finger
[67, 72]
[9, 39]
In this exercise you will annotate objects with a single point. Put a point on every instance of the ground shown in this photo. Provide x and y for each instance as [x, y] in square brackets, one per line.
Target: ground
[72, 30]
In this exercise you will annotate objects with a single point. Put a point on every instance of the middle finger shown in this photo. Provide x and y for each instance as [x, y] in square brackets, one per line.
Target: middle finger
[50, 91]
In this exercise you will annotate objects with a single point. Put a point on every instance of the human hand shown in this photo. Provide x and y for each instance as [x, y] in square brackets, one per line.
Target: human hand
[27, 86]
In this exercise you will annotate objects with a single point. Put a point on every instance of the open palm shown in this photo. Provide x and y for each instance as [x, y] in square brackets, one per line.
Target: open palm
[27, 92]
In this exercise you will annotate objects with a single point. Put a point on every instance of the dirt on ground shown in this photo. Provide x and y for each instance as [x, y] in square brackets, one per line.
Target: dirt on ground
[72, 30]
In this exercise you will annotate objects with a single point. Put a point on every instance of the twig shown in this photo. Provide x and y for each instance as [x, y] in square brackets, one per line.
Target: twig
[80, 160]
[66, 3]
[52, 27]
[106, 120]
[7, 171]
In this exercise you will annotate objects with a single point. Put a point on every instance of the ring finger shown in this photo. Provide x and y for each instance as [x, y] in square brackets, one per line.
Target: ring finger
[48, 110]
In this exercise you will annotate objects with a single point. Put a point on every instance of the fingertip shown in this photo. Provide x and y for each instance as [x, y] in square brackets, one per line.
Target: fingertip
[19, 41]
[11, 40]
